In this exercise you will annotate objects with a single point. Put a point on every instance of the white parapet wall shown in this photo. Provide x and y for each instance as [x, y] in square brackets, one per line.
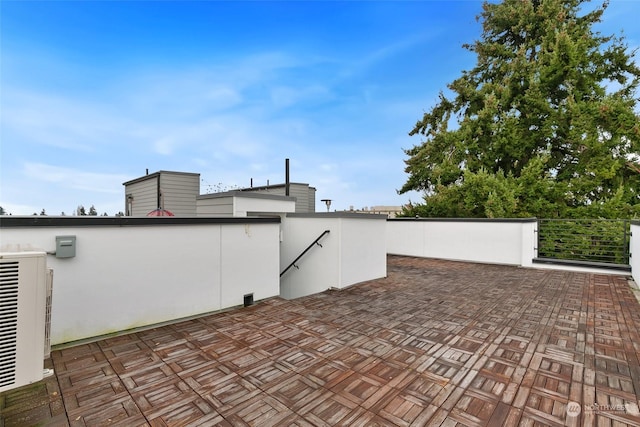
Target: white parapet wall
[495, 241]
[354, 251]
[134, 272]
[634, 250]
[243, 203]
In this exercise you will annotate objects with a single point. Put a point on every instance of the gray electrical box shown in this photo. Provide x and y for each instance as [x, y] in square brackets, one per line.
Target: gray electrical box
[65, 246]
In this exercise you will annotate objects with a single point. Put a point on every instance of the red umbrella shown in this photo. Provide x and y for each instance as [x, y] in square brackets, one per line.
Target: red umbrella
[160, 212]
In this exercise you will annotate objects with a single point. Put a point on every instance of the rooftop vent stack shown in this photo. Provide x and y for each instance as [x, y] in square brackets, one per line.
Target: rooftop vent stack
[286, 177]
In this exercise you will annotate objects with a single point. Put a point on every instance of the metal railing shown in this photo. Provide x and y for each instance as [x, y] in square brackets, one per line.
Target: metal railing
[315, 242]
[585, 240]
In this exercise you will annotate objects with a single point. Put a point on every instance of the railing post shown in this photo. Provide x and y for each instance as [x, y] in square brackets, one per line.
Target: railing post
[626, 225]
[537, 249]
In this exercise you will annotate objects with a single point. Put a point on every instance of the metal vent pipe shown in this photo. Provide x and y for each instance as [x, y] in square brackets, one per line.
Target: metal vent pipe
[287, 183]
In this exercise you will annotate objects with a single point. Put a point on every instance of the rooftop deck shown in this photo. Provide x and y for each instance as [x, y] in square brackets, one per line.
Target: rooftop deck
[435, 343]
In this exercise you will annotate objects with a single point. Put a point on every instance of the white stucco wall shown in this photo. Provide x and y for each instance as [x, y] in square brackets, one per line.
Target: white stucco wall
[242, 204]
[245, 205]
[489, 241]
[363, 250]
[354, 251]
[634, 250]
[250, 258]
[127, 277]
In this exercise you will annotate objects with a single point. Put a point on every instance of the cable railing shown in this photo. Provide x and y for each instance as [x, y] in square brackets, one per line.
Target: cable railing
[600, 241]
[315, 242]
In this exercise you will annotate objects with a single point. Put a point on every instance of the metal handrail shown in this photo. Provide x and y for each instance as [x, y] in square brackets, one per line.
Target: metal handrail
[315, 242]
[585, 240]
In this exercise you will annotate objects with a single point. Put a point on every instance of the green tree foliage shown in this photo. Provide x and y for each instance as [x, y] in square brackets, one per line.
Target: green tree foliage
[93, 211]
[544, 125]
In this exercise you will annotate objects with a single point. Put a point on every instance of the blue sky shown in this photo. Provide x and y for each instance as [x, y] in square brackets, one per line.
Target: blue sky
[93, 93]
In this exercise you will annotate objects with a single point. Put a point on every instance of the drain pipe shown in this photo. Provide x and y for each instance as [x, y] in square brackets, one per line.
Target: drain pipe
[159, 192]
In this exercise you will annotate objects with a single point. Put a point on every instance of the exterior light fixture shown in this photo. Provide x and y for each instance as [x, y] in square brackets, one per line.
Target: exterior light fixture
[327, 202]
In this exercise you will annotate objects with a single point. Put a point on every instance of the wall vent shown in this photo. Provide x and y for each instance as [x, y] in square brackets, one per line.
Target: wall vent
[8, 321]
[248, 300]
[47, 314]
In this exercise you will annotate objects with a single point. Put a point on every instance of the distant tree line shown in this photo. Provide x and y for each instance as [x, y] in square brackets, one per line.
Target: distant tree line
[79, 211]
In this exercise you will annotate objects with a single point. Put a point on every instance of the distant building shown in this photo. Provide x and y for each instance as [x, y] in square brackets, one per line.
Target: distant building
[304, 194]
[179, 192]
[243, 203]
[173, 191]
[390, 211]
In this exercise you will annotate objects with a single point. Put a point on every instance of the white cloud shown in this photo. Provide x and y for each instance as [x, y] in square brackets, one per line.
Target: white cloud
[383, 53]
[210, 88]
[230, 122]
[75, 178]
[328, 167]
[58, 121]
[286, 96]
[165, 145]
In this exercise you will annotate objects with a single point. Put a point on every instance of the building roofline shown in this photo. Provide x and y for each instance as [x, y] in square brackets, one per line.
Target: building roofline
[123, 221]
[409, 219]
[246, 195]
[337, 214]
[266, 187]
[156, 174]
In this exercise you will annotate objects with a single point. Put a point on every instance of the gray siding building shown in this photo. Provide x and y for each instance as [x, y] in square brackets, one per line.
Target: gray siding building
[173, 191]
[304, 194]
[179, 193]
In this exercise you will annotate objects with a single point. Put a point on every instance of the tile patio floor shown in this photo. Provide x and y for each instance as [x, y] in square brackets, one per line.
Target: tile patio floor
[435, 343]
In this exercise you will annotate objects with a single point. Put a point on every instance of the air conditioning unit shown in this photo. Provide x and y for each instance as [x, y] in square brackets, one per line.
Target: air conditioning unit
[47, 314]
[23, 280]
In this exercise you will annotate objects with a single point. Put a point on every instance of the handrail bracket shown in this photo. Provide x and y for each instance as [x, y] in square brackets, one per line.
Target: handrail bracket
[315, 242]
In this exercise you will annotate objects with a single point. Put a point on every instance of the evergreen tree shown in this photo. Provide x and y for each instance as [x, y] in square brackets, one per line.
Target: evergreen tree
[544, 124]
[93, 211]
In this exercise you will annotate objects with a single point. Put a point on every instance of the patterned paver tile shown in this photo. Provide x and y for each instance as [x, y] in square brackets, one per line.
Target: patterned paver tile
[435, 343]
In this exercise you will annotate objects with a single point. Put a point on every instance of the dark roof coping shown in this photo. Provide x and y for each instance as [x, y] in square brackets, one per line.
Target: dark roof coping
[123, 221]
[337, 215]
[523, 220]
